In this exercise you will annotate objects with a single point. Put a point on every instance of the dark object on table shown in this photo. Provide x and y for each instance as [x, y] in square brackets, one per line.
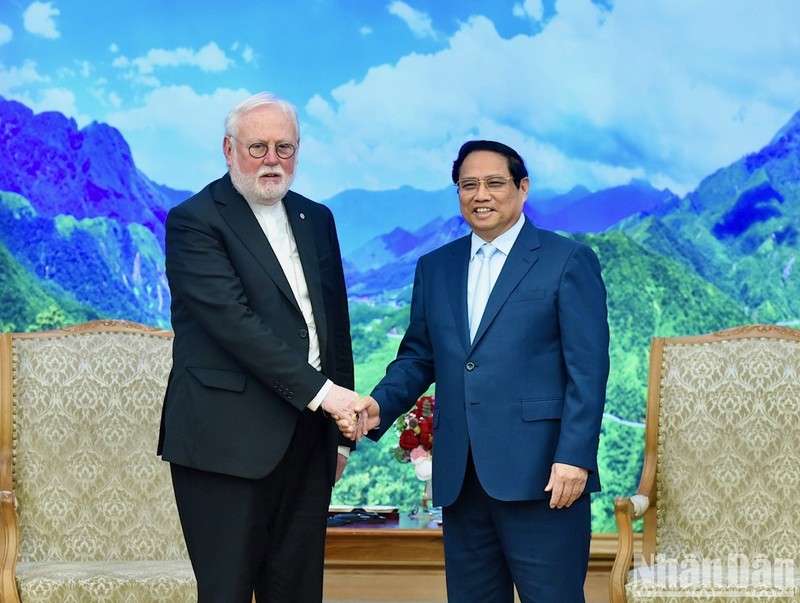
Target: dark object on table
[355, 516]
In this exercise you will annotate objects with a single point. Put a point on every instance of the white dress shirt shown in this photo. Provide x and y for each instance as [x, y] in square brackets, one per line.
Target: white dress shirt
[275, 224]
[503, 243]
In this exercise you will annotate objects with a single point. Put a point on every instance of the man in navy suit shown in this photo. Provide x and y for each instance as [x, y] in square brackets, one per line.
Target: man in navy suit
[520, 389]
[262, 347]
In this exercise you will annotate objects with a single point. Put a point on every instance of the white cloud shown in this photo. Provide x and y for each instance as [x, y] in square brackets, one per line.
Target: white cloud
[176, 134]
[80, 68]
[365, 30]
[113, 48]
[39, 19]
[6, 34]
[418, 22]
[134, 75]
[530, 9]
[209, 58]
[669, 92]
[248, 54]
[12, 78]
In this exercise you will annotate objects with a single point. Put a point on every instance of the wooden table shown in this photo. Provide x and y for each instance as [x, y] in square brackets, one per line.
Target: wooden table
[403, 559]
[400, 543]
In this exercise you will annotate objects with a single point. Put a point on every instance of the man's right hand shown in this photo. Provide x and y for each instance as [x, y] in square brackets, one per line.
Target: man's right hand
[339, 402]
[368, 417]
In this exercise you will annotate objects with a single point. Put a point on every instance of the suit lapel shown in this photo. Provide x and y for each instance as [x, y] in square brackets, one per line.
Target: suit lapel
[524, 254]
[243, 223]
[300, 223]
[457, 270]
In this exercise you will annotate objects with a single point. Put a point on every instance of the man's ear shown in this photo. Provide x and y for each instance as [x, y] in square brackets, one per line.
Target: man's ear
[227, 149]
[524, 185]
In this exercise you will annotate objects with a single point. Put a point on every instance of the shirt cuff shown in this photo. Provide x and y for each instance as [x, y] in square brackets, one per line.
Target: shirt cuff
[317, 400]
[344, 451]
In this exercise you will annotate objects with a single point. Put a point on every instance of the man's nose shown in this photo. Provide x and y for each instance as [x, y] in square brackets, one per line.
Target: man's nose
[271, 157]
[482, 194]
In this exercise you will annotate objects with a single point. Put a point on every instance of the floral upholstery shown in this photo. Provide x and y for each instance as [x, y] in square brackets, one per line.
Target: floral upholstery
[726, 494]
[95, 509]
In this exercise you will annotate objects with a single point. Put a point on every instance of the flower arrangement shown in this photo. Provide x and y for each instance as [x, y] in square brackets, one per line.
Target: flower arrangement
[415, 437]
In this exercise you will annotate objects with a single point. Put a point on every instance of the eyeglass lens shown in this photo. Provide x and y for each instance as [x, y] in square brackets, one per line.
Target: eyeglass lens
[493, 183]
[284, 150]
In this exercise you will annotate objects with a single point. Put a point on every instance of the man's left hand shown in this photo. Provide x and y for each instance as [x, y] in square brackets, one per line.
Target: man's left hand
[566, 484]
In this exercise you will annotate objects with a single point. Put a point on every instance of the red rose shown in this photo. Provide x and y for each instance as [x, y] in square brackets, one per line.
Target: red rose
[408, 440]
[425, 427]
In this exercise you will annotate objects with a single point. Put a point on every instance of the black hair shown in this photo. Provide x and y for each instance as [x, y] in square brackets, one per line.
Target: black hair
[516, 165]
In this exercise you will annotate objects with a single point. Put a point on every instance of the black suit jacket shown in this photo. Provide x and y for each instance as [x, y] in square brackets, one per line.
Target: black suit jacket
[240, 375]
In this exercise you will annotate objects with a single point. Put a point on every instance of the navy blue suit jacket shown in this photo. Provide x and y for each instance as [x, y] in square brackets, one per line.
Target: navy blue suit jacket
[530, 390]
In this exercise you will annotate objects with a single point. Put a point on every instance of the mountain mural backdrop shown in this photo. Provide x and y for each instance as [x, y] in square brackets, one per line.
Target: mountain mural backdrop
[81, 237]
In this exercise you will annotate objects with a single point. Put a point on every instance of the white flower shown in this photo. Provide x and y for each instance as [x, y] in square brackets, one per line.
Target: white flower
[423, 467]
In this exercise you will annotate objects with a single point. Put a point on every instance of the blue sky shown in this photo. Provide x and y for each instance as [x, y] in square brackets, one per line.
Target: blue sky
[592, 93]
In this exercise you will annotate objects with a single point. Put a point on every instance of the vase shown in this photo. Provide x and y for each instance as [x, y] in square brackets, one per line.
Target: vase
[425, 509]
[426, 502]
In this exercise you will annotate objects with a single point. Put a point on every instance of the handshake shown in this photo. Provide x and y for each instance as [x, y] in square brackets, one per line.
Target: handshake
[354, 415]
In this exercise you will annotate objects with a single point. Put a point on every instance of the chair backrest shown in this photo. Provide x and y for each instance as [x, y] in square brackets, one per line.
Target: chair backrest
[725, 445]
[80, 418]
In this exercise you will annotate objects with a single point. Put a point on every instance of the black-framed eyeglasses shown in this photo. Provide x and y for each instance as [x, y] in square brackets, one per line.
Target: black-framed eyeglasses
[470, 186]
[257, 150]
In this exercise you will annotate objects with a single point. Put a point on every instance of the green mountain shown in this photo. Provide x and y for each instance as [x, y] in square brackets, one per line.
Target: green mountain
[739, 229]
[27, 306]
[116, 269]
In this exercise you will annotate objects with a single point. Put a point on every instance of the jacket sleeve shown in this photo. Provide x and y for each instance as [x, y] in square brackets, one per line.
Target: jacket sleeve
[412, 371]
[583, 324]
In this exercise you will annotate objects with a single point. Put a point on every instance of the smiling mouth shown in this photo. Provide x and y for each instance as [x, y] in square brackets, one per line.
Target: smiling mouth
[483, 210]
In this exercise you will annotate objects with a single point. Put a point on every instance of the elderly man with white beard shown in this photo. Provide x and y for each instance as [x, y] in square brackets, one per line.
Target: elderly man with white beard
[262, 347]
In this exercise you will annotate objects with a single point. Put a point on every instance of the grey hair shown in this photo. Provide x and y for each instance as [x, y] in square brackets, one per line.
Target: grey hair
[254, 102]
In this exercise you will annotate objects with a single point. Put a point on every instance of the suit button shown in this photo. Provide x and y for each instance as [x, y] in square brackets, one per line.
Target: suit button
[470, 366]
[303, 333]
[289, 396]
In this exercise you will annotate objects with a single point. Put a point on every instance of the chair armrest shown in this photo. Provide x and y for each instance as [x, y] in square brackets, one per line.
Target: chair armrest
[9, 547]
[625, 511]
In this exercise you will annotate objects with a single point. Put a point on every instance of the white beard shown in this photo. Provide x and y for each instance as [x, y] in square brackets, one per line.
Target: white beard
[254, 190]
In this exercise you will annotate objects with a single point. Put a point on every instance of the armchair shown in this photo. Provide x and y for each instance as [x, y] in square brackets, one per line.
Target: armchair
[720, 485]
[86, 506]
